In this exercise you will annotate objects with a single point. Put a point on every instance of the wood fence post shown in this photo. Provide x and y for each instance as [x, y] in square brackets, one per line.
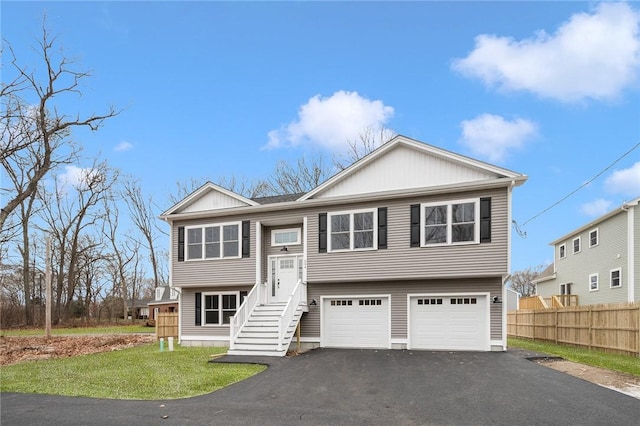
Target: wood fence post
[556, 332]
[590, 327]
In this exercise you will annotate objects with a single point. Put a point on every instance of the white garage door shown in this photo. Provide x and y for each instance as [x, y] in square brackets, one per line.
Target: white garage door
[451, 322]
[356, 322]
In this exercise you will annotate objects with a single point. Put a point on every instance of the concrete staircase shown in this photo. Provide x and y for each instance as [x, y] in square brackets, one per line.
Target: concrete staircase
[259, 335]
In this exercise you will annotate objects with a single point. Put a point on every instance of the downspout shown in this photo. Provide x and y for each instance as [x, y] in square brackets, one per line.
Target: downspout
[631, 282]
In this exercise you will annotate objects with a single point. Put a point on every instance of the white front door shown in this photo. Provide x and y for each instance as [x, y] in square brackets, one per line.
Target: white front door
[284, 276]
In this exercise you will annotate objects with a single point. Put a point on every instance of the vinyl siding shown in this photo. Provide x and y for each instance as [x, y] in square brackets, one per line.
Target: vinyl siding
[636, 252]
[610, 253]
[188, 312]
[400, 260]
[310, 326]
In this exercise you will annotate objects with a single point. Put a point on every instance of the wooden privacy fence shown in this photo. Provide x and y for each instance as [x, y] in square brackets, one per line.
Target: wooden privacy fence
[611, 328]
[167, 325]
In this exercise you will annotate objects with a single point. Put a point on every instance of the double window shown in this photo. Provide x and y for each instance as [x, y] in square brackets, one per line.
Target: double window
[450, 223]
[213, 241]
[218, 308]
[355, 230]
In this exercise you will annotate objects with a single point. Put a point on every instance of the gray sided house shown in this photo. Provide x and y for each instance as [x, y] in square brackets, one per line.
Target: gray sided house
[409, 247]
[599, 262]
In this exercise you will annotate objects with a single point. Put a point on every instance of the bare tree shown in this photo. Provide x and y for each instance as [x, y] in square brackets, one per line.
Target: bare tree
[522, 281]
[144, 219]
[366, 142]
[300, 177]
[72, 210]
[34, 135]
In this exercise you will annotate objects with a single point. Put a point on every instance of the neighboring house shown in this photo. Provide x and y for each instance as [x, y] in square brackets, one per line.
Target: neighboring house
[599, 262]
[140, 309]
[166, 300]
[512, 299]
[409, 247]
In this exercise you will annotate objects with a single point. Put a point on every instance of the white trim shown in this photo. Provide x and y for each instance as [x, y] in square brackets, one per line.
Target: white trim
[449, 224]
[486, 295]
[573, 245]
[203, 189]
[351, 213]
[611, 271]
[504, 309]
[560, 247]
[631, 253]
[203, 317]
[258, 252]
[220, 225]
[597, 282]
[412, 143]
[179, 316]
[361, 296]
[597, 231]
[297, 242]
[298, 258]
[304, 249]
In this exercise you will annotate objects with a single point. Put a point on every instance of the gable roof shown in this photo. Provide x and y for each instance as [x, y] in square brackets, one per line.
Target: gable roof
[595, 222]
[209, 197]
[404, 163]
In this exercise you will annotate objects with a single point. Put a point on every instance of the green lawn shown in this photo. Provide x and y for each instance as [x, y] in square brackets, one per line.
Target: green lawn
[623, 363]
[112, 329]
[142, 372]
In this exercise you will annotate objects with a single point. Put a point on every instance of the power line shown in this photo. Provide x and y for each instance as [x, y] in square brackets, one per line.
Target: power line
[579, 188]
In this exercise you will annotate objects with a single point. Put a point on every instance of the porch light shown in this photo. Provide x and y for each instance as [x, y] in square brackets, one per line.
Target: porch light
[313, 302]
[284, 248]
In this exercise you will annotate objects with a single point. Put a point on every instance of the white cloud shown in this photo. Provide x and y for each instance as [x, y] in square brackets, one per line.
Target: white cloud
[331, 122]
[625, 181]
[123, 146]
[590, 56]
[492, 137]
[75, 177]
[596, 208]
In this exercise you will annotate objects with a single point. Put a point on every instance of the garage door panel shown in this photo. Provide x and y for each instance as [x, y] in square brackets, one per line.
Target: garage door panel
[356, 322]
[455, 323]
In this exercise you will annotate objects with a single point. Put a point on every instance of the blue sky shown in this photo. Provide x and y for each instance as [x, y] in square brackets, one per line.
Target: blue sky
[211, 89]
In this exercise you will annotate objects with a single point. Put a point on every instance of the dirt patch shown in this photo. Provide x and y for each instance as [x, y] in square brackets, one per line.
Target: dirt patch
[30, 348]
[621, 382]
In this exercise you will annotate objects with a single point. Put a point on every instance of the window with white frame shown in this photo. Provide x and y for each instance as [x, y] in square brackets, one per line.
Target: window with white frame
[285, 237]
[593, 238]
[576, 245]
[213, 241]
[159, 293]
[562, 251]
[615, 278]
[593, 282]
[565, 288]
[173, 294]
[450, 223]
[355, 230]
[218, 308]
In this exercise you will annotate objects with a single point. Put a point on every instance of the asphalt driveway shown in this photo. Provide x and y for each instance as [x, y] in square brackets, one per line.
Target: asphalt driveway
[337, 387]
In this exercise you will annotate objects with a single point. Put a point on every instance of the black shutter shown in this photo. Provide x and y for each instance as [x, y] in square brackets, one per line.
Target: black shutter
[382, 228]
[322, 233]
[485, 220]
[198, 308]
[180, 243]
[246, 232]
[415, 225]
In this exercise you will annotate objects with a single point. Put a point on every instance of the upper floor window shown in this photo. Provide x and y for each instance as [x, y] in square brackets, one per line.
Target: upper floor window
[354, 230]
[173, 294]
[576, 245]
[562, 251]
[593, 238]
[615, 278]
[285, 237]
[159, 293]
[213, 241]
[450, 223]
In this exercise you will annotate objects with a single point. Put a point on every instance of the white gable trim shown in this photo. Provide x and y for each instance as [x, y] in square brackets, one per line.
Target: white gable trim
[411, 143]
[204, 189]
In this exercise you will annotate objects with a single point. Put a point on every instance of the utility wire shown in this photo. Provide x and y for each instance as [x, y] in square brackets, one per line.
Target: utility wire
[576, 190]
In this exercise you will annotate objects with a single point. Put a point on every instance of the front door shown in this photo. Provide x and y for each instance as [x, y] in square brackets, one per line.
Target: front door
[284, 276]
